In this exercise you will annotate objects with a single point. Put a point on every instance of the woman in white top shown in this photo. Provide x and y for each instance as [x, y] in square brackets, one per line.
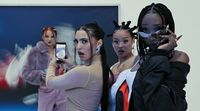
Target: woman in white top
[123, 40]
[87, 84]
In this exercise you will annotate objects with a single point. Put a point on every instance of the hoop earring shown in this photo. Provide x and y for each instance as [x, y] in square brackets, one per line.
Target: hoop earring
[98, 49]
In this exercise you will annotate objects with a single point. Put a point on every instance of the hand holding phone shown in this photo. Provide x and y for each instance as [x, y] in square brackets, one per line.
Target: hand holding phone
[60, 51]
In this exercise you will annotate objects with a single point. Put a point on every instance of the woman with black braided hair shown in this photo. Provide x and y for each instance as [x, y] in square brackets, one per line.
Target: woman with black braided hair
[123, 40]
[159, 82]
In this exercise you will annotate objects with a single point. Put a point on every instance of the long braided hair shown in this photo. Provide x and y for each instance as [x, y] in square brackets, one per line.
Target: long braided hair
[166, 17]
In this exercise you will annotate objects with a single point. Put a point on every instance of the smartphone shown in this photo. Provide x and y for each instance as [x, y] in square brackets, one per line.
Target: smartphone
[60, 50]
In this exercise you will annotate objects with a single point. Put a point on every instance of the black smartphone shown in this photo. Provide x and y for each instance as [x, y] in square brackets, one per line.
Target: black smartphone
[60, 50]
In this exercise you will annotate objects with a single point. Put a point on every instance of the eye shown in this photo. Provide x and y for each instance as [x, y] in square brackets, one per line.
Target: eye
[46, 36]
[84, 41]
[75, 42]
[125, 41]
[145, 29]
[158, 28]
[115, 41]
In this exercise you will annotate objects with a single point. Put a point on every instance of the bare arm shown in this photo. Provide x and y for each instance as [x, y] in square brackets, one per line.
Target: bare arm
[74, 78]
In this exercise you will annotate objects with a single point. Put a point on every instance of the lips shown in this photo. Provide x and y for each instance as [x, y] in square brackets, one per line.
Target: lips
[49, 43]
[120, 51]
[80, 54]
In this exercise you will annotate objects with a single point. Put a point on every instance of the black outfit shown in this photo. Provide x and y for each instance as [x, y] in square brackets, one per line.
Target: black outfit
[158, 85]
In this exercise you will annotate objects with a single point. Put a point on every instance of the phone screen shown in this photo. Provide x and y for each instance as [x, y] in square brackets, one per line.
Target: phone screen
[60, 50]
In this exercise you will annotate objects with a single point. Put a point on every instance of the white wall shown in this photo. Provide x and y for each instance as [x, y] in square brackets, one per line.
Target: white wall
[187, 23]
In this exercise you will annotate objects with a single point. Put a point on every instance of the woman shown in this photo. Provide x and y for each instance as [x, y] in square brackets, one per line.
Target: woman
[87, 84]
[159, 82]
[123, 40]
[34, 72]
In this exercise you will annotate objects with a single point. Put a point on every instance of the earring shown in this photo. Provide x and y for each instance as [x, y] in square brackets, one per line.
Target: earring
[98, 49]
[133, 46]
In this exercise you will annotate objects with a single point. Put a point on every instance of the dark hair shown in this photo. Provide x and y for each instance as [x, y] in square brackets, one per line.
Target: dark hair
[160, 9]
[124, 26]
[93, 30]
[166, 17]
[52, 29]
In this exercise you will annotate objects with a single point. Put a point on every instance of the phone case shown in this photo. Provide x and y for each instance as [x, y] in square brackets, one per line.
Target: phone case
[60, 50]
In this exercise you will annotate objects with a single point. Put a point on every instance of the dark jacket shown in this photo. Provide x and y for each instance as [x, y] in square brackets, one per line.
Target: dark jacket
[158, 85]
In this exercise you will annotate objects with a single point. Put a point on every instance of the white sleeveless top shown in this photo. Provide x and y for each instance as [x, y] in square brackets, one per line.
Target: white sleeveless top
[124, 75]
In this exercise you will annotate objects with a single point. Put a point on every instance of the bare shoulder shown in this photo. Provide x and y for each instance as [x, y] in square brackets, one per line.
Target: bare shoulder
[114, 68]
[180, 56]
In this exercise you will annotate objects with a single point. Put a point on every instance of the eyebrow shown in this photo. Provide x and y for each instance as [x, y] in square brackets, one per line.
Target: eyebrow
[125, 37]
[158, 25]
[82, 37]
[153, 24]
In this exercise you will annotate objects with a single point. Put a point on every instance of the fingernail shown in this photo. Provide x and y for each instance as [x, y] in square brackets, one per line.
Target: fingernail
[177, 38]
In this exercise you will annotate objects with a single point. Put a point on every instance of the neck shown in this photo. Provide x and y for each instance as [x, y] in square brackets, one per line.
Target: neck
[95, 59]
[122, 59]
[50, 50]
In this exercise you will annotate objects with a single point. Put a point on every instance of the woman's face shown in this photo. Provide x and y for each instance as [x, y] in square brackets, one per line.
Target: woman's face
[49, 38]
[122, 43]
[151, 22]
[83, 46]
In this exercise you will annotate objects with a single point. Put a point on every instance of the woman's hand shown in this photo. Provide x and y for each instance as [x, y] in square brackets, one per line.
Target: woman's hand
[68, 61]
[171, 44]
[67, 64]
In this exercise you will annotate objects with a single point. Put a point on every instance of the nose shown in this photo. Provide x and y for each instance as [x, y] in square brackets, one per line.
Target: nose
[120, 44]
[50, 39]
[78, 46]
